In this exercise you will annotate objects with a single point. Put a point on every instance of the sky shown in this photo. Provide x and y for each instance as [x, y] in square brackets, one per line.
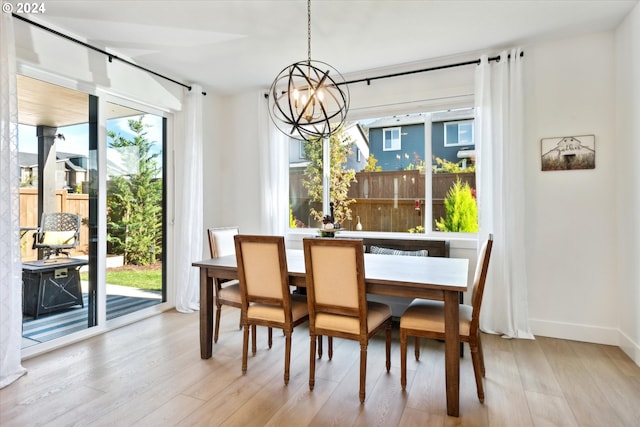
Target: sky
[76, 138]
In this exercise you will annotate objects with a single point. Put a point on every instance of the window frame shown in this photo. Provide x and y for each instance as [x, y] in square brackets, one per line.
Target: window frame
[396, 143]
[458, 143]
[431, 115]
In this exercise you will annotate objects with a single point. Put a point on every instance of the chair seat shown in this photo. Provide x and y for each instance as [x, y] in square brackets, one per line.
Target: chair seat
[377, 313]
[429, 316]
[299, 309]
[230, 291]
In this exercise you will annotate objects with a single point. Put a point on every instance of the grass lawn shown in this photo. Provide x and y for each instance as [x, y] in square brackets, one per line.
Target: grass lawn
[148, 278]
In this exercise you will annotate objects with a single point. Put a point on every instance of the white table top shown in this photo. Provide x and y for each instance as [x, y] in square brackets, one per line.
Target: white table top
[431, 272]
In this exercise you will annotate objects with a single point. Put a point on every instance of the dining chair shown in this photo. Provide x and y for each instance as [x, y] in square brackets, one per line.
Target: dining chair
[265, 292]
[337, 298]
[424, 318]
[227, 292]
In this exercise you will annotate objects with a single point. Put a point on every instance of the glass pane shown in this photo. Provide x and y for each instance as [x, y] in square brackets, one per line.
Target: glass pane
[389, 192]
[451, 134]
[135, 210]
[306, 182]
[453, 179]
[391, 185]
[465, 133]
[53, 144]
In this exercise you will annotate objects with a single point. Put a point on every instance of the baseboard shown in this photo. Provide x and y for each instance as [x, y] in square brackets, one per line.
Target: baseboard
[586, 333]
[632, 349]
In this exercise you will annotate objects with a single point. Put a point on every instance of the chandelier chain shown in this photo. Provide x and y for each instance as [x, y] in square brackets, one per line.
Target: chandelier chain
[309, 30]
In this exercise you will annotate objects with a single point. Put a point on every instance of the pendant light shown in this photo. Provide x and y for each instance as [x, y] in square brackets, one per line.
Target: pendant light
[309, 99]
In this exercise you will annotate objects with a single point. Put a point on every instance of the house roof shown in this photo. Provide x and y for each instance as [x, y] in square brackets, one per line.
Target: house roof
[31, 159]
[399, 120]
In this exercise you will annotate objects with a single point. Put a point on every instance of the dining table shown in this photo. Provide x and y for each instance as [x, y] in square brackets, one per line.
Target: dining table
[434, 278]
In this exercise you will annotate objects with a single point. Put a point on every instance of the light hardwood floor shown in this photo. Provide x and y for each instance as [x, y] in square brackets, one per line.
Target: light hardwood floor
[150, 374]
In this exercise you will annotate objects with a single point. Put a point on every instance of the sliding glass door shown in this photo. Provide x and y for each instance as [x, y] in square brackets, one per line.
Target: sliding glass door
[114, 185]
[135, 210]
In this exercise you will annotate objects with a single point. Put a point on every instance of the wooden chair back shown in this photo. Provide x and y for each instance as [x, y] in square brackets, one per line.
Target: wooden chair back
[479, 280]
[335, 278]
[221, 241]
[262, 271]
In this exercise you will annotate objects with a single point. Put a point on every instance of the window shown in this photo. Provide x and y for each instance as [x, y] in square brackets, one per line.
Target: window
[399, 190]
[458, 133]
[391, 139]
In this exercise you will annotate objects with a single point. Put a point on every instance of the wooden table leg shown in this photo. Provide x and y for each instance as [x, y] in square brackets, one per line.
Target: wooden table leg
[206, 314]
[452, 352]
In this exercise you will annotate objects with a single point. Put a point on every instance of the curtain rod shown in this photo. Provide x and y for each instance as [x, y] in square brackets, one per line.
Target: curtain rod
[439, 67]
[422, 70]
[104, 52]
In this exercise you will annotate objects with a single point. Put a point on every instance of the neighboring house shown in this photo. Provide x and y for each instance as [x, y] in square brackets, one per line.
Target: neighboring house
[71, 170]
[28, 169]
[360, 147]
[452, 136]
[357, 161]
[398, 141]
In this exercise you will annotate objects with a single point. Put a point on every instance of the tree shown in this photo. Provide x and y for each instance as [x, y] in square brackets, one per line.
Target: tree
[461, 210]
[371, 165]
[134, 201]
[340, 178]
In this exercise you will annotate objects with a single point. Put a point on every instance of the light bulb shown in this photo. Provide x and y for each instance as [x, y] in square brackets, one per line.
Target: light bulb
[295, 98]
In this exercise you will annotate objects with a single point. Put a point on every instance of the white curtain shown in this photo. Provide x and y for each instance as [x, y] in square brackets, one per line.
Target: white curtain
[501, 193]
[189, 229]
[10, 263]
[274, 156]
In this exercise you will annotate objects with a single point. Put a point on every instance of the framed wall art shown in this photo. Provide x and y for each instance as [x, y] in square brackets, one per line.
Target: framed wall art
[568, 153]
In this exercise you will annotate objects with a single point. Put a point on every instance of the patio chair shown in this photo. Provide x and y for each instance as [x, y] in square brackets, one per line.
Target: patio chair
[58, 231]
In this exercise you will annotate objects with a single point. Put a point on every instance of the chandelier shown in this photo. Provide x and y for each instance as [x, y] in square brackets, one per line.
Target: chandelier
[308, 97]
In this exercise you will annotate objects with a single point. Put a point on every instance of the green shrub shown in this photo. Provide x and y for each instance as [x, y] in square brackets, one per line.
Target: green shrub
[446, 166]
[418, 229]
[461, 210]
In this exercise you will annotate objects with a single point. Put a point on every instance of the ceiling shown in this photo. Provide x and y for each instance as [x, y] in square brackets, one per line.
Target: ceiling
[234, 46]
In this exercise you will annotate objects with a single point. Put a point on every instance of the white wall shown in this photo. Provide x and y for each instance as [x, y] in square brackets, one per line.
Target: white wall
[571, 214]
[233, 189]
[627, 182]
[584, 278]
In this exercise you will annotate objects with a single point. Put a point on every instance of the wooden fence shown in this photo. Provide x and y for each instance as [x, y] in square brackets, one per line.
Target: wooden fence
[65, 202]
[376, 194]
